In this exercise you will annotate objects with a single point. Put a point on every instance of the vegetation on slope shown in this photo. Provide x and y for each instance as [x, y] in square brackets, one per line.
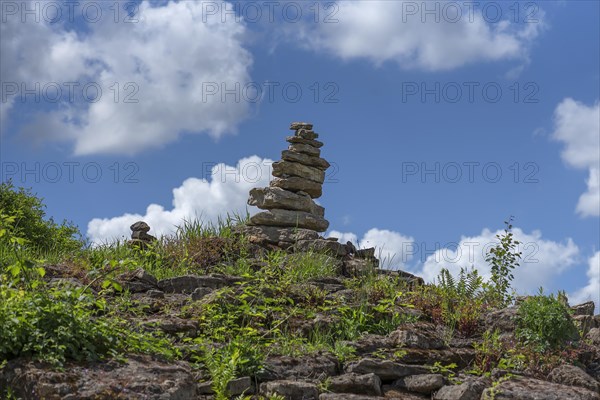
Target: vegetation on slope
[273, 309]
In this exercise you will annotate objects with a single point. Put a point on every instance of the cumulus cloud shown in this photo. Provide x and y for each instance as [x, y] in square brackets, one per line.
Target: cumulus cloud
[403, 32]
[392, 248]
[226, 192]
[592, 290]
[542, 260]
[154, 76]
[578, 127]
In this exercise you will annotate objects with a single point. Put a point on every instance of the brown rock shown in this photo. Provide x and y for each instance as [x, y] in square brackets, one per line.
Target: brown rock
[307, 134]
[300, 125]
[268, 198]
[306, 148]
[296, 184]
[305, 159]
[573, 376]
[283, 169]
[292, 219]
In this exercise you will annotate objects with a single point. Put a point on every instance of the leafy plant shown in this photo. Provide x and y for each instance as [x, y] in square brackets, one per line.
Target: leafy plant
[545, 321]
[504, 258]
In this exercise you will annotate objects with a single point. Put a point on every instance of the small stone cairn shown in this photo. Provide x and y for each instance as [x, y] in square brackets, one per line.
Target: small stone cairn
[140, 235]
[291, 217]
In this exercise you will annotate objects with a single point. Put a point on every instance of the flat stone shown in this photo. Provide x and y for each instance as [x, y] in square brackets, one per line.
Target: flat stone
[290, 390]
[306, 148]
[419, 336]
[465, 391]
[300, 125]
[283, 169]
[322, 246]
[262, 234]
[425, 383]
[348, 396]
[295, 184]
[201, 292]
[307, 134]
[533, 389]
[358, 384]
[189, 283]
[385, 369]
[300, 143]
[314, 366]
[311, 161]
[138, 281]
[292, 219]
[137, 377]
[268, 198]
[571, 375]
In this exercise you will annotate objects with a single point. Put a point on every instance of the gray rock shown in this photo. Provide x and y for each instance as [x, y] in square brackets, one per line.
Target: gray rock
[139, 377]
[533, 389]
[305, 159]
[300, 125]
[425, 383]
[262, 234]
[201, 292]
[322, 246]
[268, 198]
[138, 281]
[283, 169]
[307, 134]
[385, 369]
[292, 219]
[358, 384]
[504, 320]
[140, 226]
[143, 236]
[573, 376]
[155, 294]
[315, 366]
[189, 283]
[584, 309]
[348, 396]
[357, 267]
[300, 146]
[594, 336]
[290, 390]
[466, 391]
[419, 336]
[173, 325]
[296, 140]
[295, 184]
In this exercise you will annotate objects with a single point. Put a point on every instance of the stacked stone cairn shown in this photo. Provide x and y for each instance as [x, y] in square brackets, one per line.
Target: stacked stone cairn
[291, 219]
[140, 235]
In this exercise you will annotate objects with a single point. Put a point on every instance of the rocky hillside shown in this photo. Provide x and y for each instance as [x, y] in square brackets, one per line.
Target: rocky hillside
[308, 326]
[266, 308]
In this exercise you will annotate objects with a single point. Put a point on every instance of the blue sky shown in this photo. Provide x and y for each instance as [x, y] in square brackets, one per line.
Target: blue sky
[440, 119]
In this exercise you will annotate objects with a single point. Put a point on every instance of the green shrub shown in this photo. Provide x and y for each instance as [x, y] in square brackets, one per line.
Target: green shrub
[545, 322]
[42, 235]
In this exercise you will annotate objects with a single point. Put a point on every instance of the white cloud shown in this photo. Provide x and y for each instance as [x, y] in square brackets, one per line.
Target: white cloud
[392, 248]
[395, 31]
[164, 61]
[542, 260]
[592, 290]
[226, 192]
[578, 127]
